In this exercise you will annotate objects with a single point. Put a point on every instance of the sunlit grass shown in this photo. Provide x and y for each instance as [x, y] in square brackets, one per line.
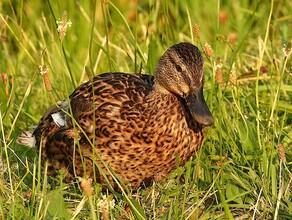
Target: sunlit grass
[238, 172]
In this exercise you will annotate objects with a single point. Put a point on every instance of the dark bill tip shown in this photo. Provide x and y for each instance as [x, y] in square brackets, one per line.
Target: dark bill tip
[199, 109]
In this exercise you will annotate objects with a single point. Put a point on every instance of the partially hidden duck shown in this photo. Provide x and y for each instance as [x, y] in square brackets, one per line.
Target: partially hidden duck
[133, 128]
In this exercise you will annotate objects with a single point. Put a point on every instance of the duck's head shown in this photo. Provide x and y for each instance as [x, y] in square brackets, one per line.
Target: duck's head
[180, 71]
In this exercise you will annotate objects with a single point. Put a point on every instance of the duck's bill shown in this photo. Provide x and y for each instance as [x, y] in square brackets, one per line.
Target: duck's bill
[198, 108]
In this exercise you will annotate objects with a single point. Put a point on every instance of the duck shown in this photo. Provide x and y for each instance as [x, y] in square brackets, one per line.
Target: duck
[125, 129]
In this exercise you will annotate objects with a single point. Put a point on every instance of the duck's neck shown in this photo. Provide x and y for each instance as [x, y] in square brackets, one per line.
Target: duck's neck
[159, 89]
[163, 108]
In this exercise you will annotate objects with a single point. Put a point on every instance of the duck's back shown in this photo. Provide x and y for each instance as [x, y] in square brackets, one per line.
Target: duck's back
[112, 98]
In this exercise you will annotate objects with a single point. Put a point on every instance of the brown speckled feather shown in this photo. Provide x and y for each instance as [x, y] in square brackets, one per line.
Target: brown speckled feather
[138, 128]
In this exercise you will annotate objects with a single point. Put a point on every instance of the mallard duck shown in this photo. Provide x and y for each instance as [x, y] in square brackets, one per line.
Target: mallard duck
[137, 127]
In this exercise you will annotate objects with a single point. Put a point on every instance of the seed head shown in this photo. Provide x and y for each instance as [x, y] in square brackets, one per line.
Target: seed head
[218, 70]
[208, 50]
[232, 38]
[281, 153]
[287, 50]
[63, 24]
[196, 29]
[5, 82]
[44, 70]
[232, 76]
[86, 186]
[104, 204]
[223, 17]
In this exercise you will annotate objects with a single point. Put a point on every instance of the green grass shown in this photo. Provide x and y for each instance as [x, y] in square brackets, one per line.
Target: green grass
[237, 174]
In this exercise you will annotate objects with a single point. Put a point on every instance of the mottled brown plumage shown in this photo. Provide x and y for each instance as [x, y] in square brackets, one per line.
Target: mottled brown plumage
[137, 127]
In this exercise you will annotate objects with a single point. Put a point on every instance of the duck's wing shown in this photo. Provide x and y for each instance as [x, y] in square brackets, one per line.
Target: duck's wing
[112, 96]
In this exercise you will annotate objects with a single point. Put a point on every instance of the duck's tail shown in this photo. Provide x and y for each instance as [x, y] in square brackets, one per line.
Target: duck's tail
[27, 139]
[53, 119]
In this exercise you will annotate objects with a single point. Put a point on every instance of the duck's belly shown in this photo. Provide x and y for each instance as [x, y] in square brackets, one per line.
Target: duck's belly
[134, 163]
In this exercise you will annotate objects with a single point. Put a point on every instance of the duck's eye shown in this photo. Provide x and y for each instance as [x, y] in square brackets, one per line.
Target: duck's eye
[178, 68]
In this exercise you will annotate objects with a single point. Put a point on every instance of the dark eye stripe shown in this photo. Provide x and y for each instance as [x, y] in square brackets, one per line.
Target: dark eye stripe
[173, 59]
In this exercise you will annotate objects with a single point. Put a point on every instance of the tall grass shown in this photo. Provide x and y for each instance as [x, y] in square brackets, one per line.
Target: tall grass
[243, 170]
